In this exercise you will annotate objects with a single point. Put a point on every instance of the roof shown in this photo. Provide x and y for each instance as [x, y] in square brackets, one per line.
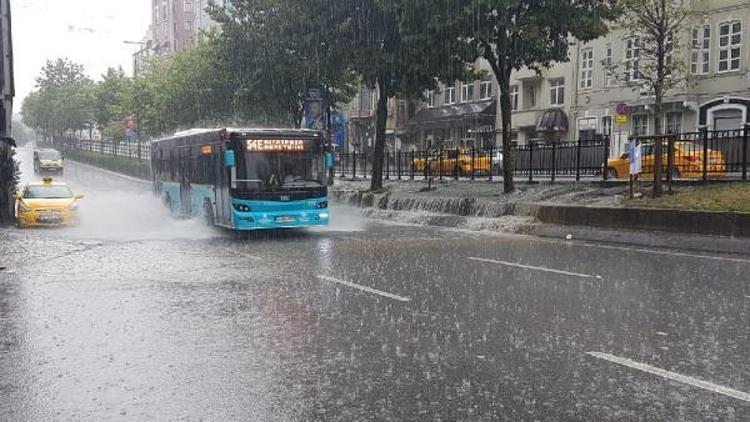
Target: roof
[240, 131]
[41, 183]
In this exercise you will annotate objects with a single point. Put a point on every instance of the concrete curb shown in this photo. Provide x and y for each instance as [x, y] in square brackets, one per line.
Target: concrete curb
[726, 224]
[644, 219]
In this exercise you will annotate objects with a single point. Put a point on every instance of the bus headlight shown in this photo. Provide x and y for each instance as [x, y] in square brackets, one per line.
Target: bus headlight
[23, 207]
[73, 208]
[242, 207]
[323, 215]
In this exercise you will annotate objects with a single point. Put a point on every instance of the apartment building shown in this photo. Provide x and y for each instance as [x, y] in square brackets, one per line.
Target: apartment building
[176, 23]
[582, 97]
[458, 114]
[361, 118]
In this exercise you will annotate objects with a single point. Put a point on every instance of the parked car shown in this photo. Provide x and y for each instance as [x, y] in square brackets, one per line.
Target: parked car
[688, 162]
[451, 160]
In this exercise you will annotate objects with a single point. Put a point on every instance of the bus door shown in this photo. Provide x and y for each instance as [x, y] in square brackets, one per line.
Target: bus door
[223, 199]
[186, 168]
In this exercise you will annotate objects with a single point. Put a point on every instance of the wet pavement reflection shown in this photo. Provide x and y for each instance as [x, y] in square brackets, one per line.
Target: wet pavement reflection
[137, 316]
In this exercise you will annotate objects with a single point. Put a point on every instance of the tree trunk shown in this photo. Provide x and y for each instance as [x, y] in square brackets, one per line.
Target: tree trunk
[658, 145]
[505, 114]
[379, 151]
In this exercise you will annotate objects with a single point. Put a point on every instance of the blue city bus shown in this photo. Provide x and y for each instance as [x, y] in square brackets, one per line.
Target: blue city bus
[244, 179]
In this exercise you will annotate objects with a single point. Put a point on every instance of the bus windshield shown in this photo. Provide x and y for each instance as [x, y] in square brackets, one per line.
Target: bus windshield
[272, 171]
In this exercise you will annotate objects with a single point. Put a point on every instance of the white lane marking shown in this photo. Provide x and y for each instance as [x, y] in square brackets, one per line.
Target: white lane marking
[531, 267]
[739, 395]
[645, 250]
[364, 288]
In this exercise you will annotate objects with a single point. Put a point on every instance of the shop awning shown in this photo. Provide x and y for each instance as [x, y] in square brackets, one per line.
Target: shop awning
[552, 121]
[443, 116]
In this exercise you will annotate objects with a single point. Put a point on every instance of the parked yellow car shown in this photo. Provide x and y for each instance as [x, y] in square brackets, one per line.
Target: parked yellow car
[446, 163]
[688, 162]
[47, 203]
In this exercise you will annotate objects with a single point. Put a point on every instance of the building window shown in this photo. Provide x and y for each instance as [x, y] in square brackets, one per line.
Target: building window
[450, 94]
[467, 92]
[632, 59]
[188, 6]
[514, 97]
[673, 122]
[529, 95]
[640, 124]
[164, 10]
[700, 54]
[485, 90]
[431, 99]
[607, 63]
[557, 92]
[189, 26]
[730, 46]
[587, 68]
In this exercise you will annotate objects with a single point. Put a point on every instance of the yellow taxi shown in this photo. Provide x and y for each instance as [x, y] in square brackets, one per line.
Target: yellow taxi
[452, 160]
[47, 204]
[688, 162]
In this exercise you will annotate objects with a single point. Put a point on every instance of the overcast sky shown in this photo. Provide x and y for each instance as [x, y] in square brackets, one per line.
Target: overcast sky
[90, 32]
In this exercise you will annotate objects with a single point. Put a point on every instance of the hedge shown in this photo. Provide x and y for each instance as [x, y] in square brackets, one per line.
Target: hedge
[125, 165]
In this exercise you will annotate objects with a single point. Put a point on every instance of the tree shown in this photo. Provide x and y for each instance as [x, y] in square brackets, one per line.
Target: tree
[61, 73]
[272, 50]
[63, 100]
[516, 34]
[401, 49]
[654, 29]
[107, 96]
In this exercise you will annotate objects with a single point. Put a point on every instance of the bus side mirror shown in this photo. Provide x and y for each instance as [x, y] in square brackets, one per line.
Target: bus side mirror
[229, 159]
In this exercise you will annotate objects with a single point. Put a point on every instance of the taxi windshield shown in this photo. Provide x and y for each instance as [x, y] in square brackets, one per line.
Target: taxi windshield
[47, 192]
[49, 155]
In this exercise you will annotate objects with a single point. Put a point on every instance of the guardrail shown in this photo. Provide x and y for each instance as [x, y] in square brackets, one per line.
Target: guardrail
[112, 147]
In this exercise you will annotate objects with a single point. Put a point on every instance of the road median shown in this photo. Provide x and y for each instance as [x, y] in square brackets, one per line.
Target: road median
[586, 205]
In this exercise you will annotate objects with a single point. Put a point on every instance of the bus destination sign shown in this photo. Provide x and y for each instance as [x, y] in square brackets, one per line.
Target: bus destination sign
[277, 145]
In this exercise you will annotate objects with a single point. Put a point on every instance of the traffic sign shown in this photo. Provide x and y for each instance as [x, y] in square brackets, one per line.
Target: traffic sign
[621, 119]
[621, 108]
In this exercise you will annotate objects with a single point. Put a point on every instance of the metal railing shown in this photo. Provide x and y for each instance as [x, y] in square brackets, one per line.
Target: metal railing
[120, 148]
[705, 155]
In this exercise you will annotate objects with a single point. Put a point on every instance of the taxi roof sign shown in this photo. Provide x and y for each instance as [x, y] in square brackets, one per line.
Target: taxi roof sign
[47, 180]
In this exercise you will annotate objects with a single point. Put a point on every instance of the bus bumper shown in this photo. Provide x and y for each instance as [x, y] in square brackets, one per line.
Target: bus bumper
[280, 220]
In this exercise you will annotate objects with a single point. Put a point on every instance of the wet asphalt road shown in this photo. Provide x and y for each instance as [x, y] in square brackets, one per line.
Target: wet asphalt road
[136, 316]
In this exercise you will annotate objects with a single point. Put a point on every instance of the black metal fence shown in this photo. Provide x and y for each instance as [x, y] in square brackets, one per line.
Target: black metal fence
[704, 155]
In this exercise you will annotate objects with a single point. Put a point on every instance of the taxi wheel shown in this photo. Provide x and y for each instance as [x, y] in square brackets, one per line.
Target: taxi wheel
[611, 174]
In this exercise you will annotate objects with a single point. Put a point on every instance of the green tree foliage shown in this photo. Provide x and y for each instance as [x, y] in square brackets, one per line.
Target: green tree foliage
[63, 100]
[271, 50]
[516, 34]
